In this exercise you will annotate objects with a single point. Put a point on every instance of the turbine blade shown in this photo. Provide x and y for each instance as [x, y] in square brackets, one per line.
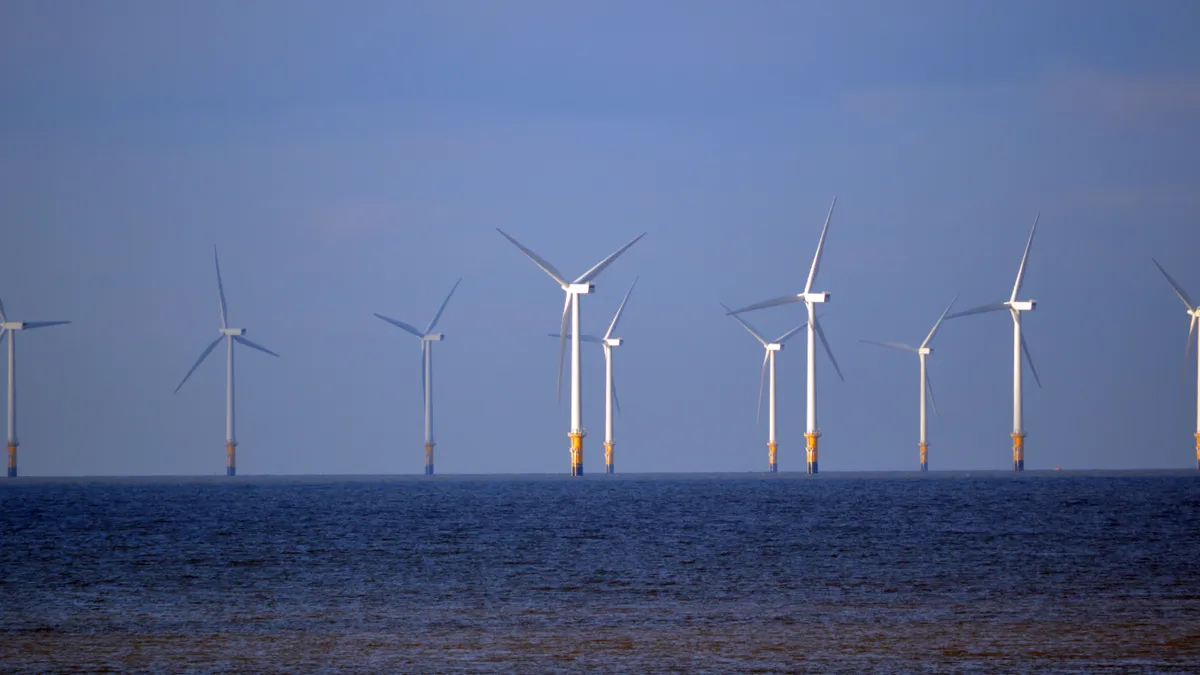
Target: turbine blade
[400, 324]
[30, 325]
[939, 321]
[1025, 348]
[582, 338]
[3, 334]
[757, 336]
[1174, 284]
[990, 307]
[616, 399]
[786, 336]
[221, 290]
[621, 308]
[1187, 351]
[2, 317]
[762, 380]
[443, 307]
[825, 343]
[203, 355]
[537, 260]
[929, 388]
[782, 300]
[1024, 257]
[562, 344]
[253, 345]
[812, 272]
[599, 267]
[893, 345]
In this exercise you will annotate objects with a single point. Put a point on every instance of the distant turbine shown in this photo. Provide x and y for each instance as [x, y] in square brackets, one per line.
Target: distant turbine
[922, 351]
[610, 389]
[573, 289]
[7, 327]
[230, 335]
[1015, 307]
[770, 348]
[810, 300]
[426, 337]
[1194, 314]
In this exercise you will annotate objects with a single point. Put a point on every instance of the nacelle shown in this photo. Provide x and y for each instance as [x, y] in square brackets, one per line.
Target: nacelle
[233, 331]
[925, 351]
[13, 325]
[815, 297]
[581, 289]
[433, 337]
[774, 347]
[614, 342]
[1023, 306]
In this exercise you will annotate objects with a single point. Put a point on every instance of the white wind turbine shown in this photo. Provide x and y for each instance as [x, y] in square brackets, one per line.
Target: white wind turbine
[573, 289]
[230, 335]
[1015, 307]
[426, 337]
[769, 347]
[810, 300]
[925, 387]
[9, 329]
[608, 342]
[1194, 314]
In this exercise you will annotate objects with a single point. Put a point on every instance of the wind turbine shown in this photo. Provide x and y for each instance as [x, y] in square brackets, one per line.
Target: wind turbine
[426, 337]
[810, 300]
[230, 335]
[1194, 314]
[608, 342]
[573, 289]
[769, 347]
[9, 329]
[923, 351]
[1015, 307]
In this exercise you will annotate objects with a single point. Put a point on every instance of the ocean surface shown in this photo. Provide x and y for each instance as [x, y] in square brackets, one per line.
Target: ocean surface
[946, 572]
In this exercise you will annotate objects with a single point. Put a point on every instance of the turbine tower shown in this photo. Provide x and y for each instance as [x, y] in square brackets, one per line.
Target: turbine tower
[230, 335]
[1015, 307]
[573, 289]
[769, 347]
[608, 342]
[925, 387]
[427, 337]
[810, 300]
[1194, 314]
[9, 329]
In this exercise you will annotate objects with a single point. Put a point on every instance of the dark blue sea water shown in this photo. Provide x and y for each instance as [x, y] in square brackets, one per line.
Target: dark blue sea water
[788, 573]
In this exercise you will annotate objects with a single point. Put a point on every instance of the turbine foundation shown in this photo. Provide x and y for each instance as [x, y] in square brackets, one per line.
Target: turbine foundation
[230, 459]
[429, 459]
[1018, 451]
[772, 465]
[810, 439]
[12, 457]
[924, 457]
[13, 464]
[576, 453]
[608, 457]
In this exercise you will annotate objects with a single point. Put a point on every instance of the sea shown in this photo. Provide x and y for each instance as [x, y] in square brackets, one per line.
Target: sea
[954, 572]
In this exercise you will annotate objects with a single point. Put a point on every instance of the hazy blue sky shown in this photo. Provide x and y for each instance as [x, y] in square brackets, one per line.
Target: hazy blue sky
[351, 158]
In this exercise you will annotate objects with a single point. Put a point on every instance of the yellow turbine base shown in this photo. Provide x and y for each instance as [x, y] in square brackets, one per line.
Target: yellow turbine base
[924, 453]
[1197, 448]
[608, 457]
[772, 453]
[810, 442]
[428, 454]
[1018, 448]
[12, 457]
[230, 456]
[576, 453]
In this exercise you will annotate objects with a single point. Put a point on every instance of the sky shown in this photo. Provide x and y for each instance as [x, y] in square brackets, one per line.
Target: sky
[356, 158]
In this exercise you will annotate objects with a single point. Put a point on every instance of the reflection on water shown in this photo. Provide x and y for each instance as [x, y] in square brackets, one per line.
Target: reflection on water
[787, 573]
